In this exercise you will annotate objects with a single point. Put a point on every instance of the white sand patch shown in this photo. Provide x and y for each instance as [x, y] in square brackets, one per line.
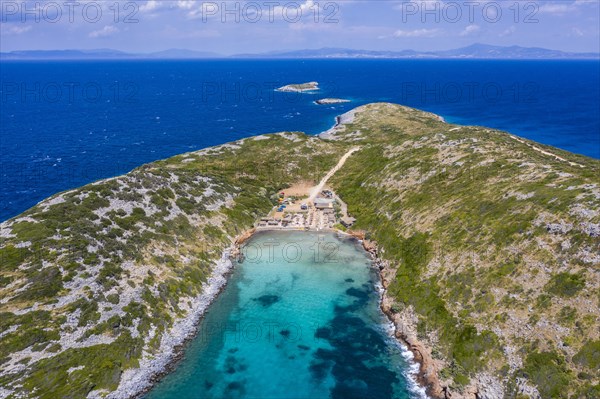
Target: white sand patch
[229, 146]
[59, 199]
[6, 230]
[521, 196]
[582, 212]
[226, 202]
[4, 393]
[25, 219]
[293, 137]
[339, 126]
[116, 205]
[9, 330]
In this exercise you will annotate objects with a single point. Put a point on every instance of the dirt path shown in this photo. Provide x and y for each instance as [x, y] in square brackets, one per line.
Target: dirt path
[317, 189]
[546, 152]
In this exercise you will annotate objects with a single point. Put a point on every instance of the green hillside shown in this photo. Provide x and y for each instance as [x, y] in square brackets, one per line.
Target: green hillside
[491, 244]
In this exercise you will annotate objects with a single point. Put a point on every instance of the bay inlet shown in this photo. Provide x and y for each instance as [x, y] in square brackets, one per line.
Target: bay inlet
[299, 318]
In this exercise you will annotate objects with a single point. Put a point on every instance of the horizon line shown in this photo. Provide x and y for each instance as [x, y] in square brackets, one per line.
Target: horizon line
[477, 52]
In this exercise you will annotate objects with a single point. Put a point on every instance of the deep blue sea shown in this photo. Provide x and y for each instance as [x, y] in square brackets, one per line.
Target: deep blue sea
[64, 124]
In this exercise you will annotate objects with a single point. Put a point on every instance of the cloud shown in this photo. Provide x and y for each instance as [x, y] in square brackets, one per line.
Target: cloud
[417, 33]
[576, 32]
[508, 32]
[152, 8]
[108, 30]
[151, 5]
[290, 11]
[556, 8]
[562, 8]
[15, 30]
[470, 30]
[186, 4]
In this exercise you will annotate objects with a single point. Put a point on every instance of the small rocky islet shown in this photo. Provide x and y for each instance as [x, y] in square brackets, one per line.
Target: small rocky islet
[300, 87]
[329, 101]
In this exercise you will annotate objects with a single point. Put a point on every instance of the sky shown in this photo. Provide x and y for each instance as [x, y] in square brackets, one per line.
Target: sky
[246, 26]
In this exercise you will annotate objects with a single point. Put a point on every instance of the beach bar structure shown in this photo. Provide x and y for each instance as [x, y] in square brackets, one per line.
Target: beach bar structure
[323, 203]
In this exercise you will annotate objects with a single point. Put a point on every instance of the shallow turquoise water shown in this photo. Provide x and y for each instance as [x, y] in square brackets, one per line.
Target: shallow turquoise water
[298, 319]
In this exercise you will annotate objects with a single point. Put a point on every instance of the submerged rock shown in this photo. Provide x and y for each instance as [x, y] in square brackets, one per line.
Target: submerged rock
[267, 300]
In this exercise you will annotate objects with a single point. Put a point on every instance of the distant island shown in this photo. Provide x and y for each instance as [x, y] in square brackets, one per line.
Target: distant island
[474, 51]
[326, 101]
[300, 87]
[487, 248]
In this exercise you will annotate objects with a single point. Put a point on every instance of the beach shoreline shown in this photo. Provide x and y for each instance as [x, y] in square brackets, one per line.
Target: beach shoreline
[135, 383]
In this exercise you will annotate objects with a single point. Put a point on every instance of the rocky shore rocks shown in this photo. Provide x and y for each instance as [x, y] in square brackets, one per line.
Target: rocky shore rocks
[405, 322]
[135, 382]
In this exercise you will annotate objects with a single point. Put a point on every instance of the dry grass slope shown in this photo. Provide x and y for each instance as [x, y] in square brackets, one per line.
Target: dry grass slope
[494, 248]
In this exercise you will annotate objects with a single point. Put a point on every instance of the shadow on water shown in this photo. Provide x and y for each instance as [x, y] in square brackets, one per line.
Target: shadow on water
[353, 359]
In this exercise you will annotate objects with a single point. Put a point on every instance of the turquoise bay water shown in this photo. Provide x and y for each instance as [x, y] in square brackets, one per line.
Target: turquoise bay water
[299, 319]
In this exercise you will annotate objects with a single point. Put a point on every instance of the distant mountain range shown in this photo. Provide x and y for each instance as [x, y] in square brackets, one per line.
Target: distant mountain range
[475, 51]
[100, 54]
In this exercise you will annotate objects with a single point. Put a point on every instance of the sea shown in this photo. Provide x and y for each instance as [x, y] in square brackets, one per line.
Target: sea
[67, 123]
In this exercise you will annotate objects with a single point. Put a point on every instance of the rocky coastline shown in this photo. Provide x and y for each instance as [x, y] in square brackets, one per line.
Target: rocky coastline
[137, 382]
[427, 376]
[404, 324]
[136, 203]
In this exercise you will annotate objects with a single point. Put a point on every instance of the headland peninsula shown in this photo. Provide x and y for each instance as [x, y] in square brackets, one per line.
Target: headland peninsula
[487, 246]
